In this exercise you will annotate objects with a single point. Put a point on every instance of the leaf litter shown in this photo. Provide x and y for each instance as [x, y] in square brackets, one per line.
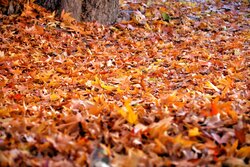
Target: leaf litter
[166, 86]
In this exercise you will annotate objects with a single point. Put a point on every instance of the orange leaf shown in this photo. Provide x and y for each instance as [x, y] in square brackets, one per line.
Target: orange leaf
[91, 107]
[240, 135]
[66, 17]
[39, 30]
[17, 96]
[214, 107]
[60, 70]
[28, 11]
[233, 148]
[244, 152]
[4, 112]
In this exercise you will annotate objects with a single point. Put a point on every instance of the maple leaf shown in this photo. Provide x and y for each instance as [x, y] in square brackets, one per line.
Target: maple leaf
[66, 18]
[244, 152]
[128, 113]
[54, 97]
[233, 148]
[168, 86]
[4, 112]
[214, 107]
[103, 85]
[138, 17]
[60, 70]
[194, 132]
[158, 128]
[29, 11]
[39, 30]
[166, 17]
[209, 85]
[180, 140]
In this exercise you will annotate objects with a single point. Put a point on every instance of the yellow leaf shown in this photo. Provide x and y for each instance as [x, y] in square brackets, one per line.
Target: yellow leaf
[119, 90]
[122, 112]
[60, 70]
[54, 97]
[131, 115]
[89, 51]
[180, 140]
[107, 87]
[128, 113]
[209, 85]
[147, 27]
[194, 132]
[244, 152]
[44, 76]
[53, 83]
[103, 85]
[4, 112]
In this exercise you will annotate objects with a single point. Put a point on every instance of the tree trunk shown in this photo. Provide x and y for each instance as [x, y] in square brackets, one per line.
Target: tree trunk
[102, 11]
[72, 6]
[11, 6]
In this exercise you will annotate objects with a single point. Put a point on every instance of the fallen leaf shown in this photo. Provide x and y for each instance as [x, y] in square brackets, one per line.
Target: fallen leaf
[194, 132]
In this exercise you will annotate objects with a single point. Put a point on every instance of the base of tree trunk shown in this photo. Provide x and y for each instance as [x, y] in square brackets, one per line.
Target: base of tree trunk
[9, 7]
[102, 11]
[72, 6]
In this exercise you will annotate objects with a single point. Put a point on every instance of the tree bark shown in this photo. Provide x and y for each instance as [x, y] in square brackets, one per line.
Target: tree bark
[11, 6]
[102, 11]
[72, 6]
[51, 5]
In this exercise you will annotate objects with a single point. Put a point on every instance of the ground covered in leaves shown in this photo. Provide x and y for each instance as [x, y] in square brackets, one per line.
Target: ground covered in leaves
[167, 85]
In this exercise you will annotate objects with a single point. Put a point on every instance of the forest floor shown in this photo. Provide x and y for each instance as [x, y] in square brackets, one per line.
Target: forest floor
[166, 86]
